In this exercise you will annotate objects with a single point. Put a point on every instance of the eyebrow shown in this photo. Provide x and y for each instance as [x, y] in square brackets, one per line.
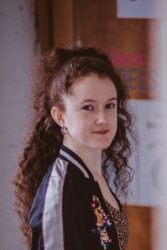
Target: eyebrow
[91, 100]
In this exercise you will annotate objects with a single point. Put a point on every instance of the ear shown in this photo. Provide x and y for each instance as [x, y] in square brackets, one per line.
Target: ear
[57, 115]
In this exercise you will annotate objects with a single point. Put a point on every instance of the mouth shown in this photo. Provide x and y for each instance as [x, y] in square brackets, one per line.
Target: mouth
[101, 132]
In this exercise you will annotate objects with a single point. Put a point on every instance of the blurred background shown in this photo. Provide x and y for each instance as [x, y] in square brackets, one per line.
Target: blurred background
[134, 35]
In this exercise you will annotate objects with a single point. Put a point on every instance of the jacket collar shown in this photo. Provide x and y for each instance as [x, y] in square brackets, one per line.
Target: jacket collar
[72, 157]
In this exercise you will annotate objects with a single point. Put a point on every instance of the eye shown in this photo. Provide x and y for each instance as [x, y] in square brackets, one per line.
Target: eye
[110, 105]
[88, 107]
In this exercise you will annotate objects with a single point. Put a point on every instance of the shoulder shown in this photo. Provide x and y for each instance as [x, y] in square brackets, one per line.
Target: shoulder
[61, 175]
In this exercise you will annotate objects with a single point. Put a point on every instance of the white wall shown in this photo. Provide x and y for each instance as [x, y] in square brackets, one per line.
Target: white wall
[160, 220]
[17, 52]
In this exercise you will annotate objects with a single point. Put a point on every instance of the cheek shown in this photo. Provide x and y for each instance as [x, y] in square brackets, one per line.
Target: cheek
[114, 119]
[75, 124]
[114, 124]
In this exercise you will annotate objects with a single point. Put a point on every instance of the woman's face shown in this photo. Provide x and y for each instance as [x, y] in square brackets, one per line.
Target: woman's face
[91, 112]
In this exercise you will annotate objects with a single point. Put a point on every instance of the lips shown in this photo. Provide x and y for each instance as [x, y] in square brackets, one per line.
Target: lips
[102, 132]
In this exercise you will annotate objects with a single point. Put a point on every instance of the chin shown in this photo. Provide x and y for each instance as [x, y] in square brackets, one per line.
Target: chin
[105, 147]
[102, 145]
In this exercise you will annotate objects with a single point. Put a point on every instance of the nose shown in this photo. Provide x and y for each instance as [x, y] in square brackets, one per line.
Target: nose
[101, 118]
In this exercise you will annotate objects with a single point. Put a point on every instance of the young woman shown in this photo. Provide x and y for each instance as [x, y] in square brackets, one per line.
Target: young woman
[81, 129]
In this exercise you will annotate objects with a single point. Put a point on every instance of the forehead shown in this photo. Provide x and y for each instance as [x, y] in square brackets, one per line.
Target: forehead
[92, 86]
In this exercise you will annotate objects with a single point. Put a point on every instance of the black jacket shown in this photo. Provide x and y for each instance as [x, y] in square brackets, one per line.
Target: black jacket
[69, 211]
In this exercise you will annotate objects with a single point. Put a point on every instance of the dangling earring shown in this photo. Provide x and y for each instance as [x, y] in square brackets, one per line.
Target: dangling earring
[64, 130]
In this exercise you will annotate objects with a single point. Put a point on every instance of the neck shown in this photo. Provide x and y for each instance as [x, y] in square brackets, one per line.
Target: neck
[91, 157]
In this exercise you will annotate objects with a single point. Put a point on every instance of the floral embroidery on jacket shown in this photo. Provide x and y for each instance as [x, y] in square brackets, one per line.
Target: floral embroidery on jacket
[102, 224]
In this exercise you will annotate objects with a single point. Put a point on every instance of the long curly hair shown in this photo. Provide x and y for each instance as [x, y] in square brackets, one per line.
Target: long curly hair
[55, 73]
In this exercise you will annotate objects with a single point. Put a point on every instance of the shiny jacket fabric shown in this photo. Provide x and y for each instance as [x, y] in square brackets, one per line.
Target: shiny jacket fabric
[69, 211]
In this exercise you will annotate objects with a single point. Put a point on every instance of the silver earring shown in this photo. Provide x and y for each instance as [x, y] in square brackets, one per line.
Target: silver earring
[64, 130]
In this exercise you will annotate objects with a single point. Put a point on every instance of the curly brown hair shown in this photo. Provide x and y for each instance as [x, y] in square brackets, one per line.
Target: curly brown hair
[56, 72]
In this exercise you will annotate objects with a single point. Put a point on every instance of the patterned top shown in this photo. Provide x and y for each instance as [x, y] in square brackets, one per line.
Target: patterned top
[120, 219]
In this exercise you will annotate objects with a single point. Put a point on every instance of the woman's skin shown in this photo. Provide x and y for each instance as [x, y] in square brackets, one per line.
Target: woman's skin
[90, 116]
